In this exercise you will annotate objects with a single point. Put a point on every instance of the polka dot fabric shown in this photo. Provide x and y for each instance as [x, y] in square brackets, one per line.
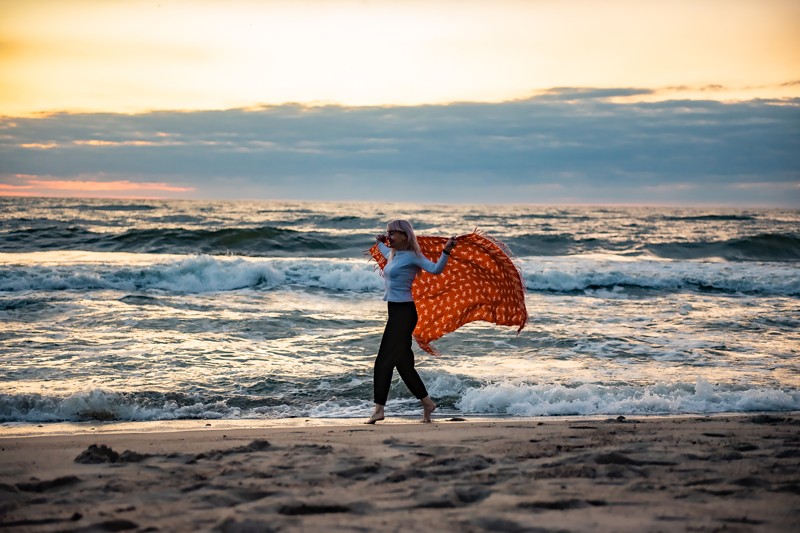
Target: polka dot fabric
[480, 282]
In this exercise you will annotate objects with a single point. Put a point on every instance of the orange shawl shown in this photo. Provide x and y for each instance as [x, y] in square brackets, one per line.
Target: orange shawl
[480, 282]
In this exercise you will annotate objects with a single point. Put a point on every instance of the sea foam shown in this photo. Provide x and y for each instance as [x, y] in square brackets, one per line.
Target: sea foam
[526, 399]
[591, 273]
[191, 274]
[456, 397]
[205, 273]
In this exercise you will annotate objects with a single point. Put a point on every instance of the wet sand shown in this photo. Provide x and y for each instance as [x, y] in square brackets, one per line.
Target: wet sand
[719, 473]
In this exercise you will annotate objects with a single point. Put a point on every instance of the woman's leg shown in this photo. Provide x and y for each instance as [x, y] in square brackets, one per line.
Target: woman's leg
[395, 351]
[405, 365]
[384, 362]
[405, 354]
[381, 377]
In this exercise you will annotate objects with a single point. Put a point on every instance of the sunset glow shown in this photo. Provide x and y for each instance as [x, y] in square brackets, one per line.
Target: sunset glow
[144, 55]
[568, 101]
[39, 186]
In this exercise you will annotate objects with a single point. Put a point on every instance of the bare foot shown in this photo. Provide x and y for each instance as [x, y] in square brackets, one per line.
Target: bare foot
[427, 408]
[374, 418]
[377, 415]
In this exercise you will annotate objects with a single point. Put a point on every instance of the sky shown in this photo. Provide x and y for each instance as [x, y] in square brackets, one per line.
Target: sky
[540, 101]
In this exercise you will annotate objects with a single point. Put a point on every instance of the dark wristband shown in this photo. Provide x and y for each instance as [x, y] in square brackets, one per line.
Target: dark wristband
[445, 252]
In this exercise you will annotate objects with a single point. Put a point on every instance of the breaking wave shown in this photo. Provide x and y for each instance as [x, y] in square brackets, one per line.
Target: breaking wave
[205, 273]
[455, 396]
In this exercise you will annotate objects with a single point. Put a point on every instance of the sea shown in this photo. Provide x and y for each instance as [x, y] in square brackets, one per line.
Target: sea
[144, 310]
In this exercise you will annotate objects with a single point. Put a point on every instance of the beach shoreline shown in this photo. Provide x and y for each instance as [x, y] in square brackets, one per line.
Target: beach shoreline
[732, 472]
[98, 427]
[101, 427]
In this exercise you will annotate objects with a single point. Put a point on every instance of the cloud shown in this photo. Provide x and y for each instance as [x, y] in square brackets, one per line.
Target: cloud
[26, 185]
[89, 185]
[568, 145]
[577, 93]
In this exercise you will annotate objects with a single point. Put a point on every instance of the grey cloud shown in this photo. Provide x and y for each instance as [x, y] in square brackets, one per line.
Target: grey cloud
[570, 148]
[584, 93]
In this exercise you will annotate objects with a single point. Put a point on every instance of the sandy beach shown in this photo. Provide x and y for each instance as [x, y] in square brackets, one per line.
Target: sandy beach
[716, 473]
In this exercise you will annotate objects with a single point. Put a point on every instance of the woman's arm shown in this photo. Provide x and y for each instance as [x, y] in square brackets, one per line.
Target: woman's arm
[385, 250]
[438, 267]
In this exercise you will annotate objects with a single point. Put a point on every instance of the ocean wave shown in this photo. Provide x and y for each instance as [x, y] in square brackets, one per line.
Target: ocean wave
[503, 399]
[117, 206]
[781, 247]
[257, 241]
[566, 244]
[102, 405]
[195, 274]
[706, 218]
[342, 236]
[584, 275]
[527, 399]
[764, 247]
[204, 273]
[234, 240]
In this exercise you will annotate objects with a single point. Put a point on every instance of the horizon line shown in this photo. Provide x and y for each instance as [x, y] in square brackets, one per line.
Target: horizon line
[410, 202]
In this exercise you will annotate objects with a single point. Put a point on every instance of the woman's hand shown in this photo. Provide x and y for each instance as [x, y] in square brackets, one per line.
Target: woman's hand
[451, 243]
[381, 238]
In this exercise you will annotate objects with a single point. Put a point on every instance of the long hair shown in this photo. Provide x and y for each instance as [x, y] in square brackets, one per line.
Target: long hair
[405, 227]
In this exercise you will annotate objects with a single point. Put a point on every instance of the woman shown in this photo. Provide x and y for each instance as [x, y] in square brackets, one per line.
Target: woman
[405, 260]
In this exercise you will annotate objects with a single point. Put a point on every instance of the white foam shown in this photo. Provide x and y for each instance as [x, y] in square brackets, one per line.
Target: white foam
[194, 274]
[98, 404]
[582, 273]
[601, 276]
[525, 399]
[101, 404]
[504, 399]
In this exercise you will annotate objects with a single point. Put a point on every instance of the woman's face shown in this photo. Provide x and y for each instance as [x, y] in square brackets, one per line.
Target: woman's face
[396, 239]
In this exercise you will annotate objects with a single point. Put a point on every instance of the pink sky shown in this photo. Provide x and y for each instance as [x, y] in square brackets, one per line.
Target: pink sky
[42, 186]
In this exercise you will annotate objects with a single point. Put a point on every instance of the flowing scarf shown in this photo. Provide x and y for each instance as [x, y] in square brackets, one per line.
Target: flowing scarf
[480, 282]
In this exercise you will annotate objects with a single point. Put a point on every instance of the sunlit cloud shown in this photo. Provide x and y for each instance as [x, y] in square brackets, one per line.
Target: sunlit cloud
[99, 142]
[29, 185]
[713, 91]
[672, 188]
[79, 186]
[775, 185]
[14, 188]
[39, 146]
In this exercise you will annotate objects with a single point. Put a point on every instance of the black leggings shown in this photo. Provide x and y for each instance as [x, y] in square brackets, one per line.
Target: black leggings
[395, 351]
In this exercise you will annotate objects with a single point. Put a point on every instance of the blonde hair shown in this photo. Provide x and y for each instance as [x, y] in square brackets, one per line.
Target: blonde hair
[405, 227]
